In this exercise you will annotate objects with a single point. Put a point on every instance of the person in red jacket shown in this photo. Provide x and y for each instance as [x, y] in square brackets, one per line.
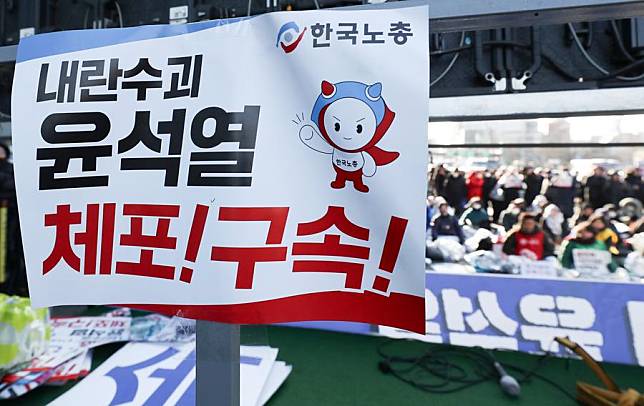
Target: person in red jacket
[475, 185]
[528, 240]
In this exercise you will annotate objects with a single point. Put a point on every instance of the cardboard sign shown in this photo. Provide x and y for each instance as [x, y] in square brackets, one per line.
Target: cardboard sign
[591, 261]
[262, 169]
[540, 269]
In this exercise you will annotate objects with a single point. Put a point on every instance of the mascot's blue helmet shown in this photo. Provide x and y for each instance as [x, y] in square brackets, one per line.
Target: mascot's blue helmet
[369, 94]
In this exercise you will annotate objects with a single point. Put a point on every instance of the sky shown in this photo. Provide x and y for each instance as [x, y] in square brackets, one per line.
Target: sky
[581, 128]
[604, 127]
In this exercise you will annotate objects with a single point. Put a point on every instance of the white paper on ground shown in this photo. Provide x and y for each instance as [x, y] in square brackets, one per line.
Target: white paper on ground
[276, 378]
[74, 336]
[73, 369]
[89, 332]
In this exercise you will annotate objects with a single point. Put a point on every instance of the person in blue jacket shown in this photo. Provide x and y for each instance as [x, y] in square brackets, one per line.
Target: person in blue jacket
[446, 225]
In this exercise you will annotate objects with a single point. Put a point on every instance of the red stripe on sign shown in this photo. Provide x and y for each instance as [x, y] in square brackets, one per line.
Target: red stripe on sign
[396, 310]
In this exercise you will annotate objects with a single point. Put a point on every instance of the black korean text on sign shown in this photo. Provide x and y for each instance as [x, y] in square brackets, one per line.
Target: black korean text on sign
[184, 83]
[142, 86]
[93, 75]
[223, 161]
[98, 79]
[348, 32]
[372, 37]
[142, 134]
[62, 155]
[66, 83]
[227, 152]
[321, 30]
[400, 32]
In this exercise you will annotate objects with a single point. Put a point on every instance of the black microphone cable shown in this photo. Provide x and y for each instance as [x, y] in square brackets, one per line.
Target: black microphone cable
[444, 370]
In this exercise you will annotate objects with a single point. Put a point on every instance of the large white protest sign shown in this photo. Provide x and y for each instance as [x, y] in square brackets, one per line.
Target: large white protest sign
[270, 168]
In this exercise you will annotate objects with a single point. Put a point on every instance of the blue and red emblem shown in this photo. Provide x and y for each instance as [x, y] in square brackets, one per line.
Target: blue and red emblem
[289, 36]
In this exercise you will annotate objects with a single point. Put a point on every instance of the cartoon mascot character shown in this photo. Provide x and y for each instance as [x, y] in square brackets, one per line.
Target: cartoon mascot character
[348, 121]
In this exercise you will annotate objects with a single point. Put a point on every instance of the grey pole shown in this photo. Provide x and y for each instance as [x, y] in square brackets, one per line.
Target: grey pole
[217, 371]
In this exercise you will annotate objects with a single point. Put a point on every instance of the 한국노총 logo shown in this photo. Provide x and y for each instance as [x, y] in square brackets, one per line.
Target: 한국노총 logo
[289, 36]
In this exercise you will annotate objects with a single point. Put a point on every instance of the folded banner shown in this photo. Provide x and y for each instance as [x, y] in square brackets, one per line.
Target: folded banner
[251, 170]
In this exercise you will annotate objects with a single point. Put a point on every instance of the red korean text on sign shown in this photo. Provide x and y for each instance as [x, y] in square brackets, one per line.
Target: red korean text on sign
[63, 220]
[102, 228]
[247, 257]
[160, 240]
[332, 247]
[194, 240]
[98, 240]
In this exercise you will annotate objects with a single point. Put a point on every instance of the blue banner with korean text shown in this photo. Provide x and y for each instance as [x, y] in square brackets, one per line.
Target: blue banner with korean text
[520, 314]
[607, 319]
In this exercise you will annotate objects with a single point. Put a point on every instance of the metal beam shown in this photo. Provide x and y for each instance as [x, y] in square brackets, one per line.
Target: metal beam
[565, 103]
[468, 15]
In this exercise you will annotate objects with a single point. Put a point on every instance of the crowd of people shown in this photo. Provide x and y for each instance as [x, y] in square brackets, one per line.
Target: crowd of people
[539, 213]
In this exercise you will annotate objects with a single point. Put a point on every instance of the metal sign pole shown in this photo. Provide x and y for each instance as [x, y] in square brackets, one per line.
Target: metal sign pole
[217, 371]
